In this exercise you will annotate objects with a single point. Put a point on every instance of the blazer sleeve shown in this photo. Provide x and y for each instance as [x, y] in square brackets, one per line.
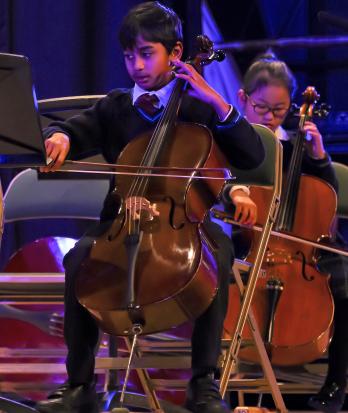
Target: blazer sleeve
[239, 141]
[85, 130]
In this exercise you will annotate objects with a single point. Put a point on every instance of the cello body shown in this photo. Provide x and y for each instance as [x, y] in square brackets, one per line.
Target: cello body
[175, 270]
[298, 330]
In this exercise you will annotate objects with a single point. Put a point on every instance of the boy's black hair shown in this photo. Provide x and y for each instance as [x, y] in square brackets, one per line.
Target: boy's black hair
[267, 69]
[152, 21]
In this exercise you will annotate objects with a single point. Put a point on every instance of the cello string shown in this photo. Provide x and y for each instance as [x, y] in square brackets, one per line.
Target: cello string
[154, 137]
[136, 182]
[149, 149]
[168, 122]
[139, 182]
[285, 201]
[291, 184]
[299, 147]
[156, 142]
[310, 98]
[158, 136]
[290, 194]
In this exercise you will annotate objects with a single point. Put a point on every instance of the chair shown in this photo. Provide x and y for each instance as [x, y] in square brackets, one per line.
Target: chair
[54, 196]
[33, 197]
[65, 107]
[268, 175]
[42, 197]
[342, 196]
[29, 197]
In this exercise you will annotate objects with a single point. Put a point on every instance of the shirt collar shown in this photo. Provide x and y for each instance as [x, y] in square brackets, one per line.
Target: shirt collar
[163, 94]
[281, 134]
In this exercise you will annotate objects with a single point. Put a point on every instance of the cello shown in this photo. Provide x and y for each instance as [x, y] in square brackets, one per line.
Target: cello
[151, 270]
[291, 293]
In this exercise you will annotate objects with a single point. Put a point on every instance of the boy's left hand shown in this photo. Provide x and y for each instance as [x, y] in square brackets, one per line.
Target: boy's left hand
[315, 146]
[201, 89]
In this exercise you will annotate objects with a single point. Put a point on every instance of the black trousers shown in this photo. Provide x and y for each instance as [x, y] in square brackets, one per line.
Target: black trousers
[81, 330]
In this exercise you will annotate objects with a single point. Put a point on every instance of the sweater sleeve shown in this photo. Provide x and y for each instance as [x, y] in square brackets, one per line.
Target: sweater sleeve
[239, 141]
[236, 138]
[85, 130]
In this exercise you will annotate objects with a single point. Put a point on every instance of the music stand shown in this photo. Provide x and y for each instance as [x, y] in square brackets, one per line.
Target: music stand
[21, 140]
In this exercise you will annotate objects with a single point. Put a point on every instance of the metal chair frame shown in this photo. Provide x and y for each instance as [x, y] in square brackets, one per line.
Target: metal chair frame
[341, 171]
[268, 175]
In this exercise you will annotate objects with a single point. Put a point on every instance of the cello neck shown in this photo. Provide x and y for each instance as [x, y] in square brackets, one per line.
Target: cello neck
[288, 202]
[287, 209]
[163, 129]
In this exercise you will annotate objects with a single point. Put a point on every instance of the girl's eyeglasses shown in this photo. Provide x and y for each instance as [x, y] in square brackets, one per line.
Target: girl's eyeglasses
[262, 109]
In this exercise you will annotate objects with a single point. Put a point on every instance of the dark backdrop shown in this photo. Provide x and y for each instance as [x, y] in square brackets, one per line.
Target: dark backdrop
[73, 45]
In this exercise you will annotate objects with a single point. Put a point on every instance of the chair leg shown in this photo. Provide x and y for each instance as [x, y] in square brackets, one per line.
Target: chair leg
[246, 313]
[230, 359]
[265, 362]
[241, 399]
[111, 376]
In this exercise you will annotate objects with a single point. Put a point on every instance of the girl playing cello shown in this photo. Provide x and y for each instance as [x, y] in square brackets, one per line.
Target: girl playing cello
[265, 98]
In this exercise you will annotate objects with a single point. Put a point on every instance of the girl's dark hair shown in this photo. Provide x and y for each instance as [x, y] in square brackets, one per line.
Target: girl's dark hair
[154, 22]
[267, 69]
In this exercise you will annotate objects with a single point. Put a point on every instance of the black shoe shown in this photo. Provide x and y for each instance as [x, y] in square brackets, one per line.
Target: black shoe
[203, 396]
[80, 399]
[330, 399]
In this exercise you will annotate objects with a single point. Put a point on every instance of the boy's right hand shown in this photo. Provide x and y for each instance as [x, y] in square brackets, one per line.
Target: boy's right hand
[57, 148]
[246, 209]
